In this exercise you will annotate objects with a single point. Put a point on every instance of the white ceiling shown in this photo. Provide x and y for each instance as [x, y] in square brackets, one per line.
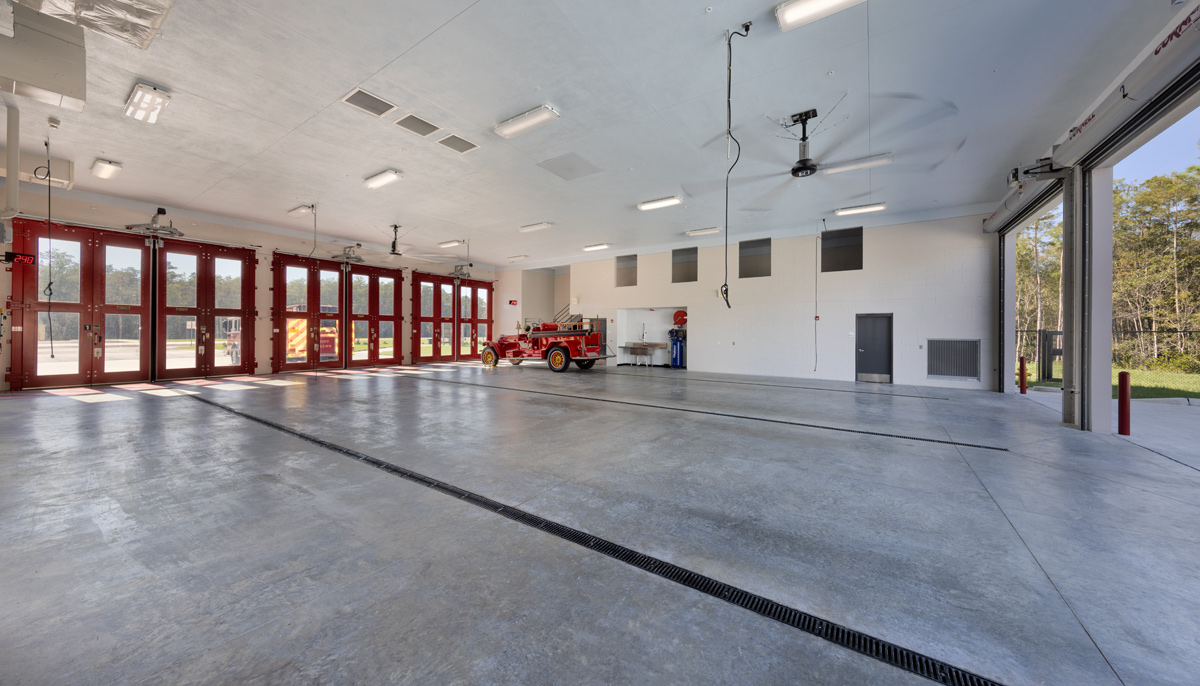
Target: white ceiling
[959, 90]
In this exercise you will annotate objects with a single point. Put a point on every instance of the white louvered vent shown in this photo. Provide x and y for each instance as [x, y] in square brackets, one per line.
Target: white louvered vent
[417, 125]
[955, 359]
[368, 103]
[459, 145]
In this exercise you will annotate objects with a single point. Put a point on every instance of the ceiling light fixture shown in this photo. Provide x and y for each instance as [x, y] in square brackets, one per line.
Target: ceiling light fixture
[797, 13]
[855, 165]
[661, 202]
[103, 169]
[528, 121]
[300, 211]
[145, 103]
[517, 258]
[382, 179]
[703, 232]
[861, 209]
[530, 228]
[450, 244]
[598, 246]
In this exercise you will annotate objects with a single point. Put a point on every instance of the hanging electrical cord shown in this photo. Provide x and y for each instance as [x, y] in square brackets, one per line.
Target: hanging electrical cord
[730, 136]
[48, 291]
[816, 284]
[313, 208]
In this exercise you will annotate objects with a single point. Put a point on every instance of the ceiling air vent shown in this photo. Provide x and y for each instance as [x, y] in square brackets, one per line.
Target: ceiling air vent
[368, 103]
[460, 145]
[417, 125]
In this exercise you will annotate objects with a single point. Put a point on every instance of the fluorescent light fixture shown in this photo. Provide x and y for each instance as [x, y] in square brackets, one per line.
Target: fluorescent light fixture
[300, 211]
[797, 13]
[661, 202]
[145, 103]
[103, 169]
[855, 165]
[530, 228]
[382, 179]
[450, 244]
[703, 232]
[517, 258]
[598, 246]
[526, 122]
[861, 209]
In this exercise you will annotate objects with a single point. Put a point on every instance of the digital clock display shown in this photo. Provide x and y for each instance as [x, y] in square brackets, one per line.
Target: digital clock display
[20, 258]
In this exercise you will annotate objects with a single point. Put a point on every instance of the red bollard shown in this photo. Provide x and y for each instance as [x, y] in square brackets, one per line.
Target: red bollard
[1022, 375]
[1123, 403]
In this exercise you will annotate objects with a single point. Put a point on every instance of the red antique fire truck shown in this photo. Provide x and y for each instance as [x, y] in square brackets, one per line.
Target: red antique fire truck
[581, 340]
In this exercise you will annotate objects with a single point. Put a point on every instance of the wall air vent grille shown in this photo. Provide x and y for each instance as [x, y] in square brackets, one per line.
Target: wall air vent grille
[368, 103]
[954, 359]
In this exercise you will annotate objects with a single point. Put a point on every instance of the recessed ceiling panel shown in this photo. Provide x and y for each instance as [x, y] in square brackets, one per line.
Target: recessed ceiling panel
[569, 167]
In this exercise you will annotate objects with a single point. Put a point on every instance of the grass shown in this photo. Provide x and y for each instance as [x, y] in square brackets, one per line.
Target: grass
[1144, 383]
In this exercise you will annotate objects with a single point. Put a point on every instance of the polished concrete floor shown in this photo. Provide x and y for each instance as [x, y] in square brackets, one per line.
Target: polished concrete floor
[151, 538]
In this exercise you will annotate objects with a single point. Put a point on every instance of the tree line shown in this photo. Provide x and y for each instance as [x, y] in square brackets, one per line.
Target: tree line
[1156, 274]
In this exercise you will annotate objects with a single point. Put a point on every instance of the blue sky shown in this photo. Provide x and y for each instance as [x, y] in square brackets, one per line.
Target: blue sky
[1172, 150]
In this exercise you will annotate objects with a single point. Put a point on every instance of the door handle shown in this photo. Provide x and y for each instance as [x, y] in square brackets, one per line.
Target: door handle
[861, 350]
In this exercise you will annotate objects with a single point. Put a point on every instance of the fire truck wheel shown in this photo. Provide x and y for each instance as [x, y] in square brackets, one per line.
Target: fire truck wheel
[490, 359]
[516, 361]
[558, 359]
[585, 364]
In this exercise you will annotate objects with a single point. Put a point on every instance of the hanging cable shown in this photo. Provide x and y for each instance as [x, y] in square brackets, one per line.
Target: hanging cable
[48, 291]
[730, 136]
[816, 284]
[313, 208]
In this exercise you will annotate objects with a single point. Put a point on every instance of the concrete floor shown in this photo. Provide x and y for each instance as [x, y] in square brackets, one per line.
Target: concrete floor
[148, 537]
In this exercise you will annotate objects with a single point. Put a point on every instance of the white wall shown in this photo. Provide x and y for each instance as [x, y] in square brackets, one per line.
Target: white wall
[505, 317]
[562, 288]
[936, 278]
[537, 290]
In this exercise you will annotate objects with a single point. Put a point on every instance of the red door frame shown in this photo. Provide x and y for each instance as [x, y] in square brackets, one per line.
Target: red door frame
[474, 317]
[26, 305]
[314, 339]
[454, 318]
[374, 315]
[205, 310]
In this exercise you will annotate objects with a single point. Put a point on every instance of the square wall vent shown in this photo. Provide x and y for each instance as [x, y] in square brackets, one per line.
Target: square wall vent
[459, 145]
[417, 125]
[368, 103]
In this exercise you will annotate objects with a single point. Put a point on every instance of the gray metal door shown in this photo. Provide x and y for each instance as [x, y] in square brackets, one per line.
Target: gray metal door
[874, 345]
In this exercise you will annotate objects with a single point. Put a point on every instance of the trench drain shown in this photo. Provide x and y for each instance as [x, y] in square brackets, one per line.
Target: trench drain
[864, 644]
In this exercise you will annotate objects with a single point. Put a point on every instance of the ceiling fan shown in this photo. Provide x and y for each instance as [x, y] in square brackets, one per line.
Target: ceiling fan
[398, 249]
[804, 165]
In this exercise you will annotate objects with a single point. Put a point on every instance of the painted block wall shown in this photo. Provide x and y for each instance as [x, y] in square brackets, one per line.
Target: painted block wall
[78, 208]
[938, 280]
[537, 289]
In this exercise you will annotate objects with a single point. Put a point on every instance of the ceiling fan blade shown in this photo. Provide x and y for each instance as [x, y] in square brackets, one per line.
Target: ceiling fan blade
[715, 185]
[422, 259]
[768, 200]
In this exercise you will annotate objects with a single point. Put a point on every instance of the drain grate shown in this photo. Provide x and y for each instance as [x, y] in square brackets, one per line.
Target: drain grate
[864, 644]
[729, 415]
